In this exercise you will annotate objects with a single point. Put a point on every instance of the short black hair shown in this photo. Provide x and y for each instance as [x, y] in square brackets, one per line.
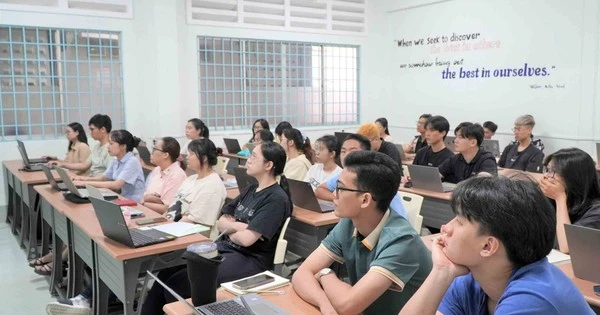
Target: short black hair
[462, 124]
[376, 173]
[101, 121]
[331, 143]
[384, 123]
[204, 148]
[439, 123]
[273, 152]
[426, 116]
[281, 127]
[265, 135]
[263, 123]
[513, 210]
[490, 125]
[365, 144]
[125, 137]
[200, 125]
[472, 131]
[171, 147]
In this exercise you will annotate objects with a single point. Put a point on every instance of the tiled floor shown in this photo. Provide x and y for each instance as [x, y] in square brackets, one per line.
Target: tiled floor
[22, 291]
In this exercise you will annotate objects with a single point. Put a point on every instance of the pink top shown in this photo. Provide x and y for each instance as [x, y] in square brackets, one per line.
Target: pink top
[165, 183]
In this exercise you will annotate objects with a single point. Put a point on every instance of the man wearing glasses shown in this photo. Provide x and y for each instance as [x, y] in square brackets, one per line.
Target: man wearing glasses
[384, 256]
[522, 154]
[419, 141]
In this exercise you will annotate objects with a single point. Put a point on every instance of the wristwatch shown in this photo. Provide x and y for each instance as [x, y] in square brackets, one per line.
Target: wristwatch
[324, 271]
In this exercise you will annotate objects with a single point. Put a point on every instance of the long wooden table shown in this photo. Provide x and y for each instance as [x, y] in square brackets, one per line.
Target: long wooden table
[115, 266]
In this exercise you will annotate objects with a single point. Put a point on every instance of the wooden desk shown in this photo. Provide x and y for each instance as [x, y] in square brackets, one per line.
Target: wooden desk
[289, 302]
[585, 287]
[234, 161]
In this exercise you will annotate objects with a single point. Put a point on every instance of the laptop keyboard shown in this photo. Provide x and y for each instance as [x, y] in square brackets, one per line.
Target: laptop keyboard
[151, 236]
[228, 307]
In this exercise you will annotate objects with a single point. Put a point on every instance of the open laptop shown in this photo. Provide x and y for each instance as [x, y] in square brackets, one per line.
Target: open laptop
[232, 145]
[52, 181]
[341, 136]
[144, 154]
[114, 226]
[492, 146]
[28, 167]
[247, 304]
[449, 142]
[584, 247]
[82, 192]
[428, 178]
[242, 178]
[24, 153]
[303, 196]
[97, 193]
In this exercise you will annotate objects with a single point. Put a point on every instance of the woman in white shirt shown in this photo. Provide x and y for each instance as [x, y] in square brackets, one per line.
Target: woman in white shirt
[194, 129]
[384, 131]
[299, 154]
[202, 195]
[327, 150]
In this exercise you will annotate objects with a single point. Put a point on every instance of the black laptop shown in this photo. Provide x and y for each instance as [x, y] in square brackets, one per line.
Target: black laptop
[341, 136]
[232, 145]
[114, 226]
[52, 181]
[303, 196]
[242, 178]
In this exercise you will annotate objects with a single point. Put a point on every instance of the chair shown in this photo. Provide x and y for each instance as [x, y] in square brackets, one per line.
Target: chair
[221, 167]
[280, 250]
[412, 203]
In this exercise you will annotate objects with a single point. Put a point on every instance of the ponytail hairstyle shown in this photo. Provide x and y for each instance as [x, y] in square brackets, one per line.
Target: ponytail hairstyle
[384, 123]
[199, 125]
[123, 136]
[273, 152]
[81, 137]
[300, 142]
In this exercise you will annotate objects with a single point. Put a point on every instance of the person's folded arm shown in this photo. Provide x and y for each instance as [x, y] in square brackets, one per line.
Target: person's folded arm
[307, 286]
[110, 184]
[245, 237]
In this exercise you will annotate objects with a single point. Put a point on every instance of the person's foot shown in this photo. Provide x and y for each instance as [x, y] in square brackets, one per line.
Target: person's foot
[40, 261]
[78, 305]
[43, 270]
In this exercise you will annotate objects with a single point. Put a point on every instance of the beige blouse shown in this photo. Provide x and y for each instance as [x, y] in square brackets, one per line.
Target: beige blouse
[79, 153]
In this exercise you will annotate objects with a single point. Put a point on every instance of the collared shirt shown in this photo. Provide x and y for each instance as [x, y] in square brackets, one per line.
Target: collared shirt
[78, 153]
[99, 158]
[393, 249]
[165, 183]
[130, 171]
[456, 168]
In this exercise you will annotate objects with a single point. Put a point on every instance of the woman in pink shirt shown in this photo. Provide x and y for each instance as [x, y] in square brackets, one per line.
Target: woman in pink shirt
[165, 179]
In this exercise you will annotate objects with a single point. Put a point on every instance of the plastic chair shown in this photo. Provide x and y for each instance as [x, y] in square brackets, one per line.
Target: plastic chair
[280, 250]
[412, 203]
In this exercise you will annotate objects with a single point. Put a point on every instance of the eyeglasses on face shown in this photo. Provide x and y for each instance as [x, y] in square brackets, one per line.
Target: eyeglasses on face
[549, 172]
[157, 149]
[338, 188]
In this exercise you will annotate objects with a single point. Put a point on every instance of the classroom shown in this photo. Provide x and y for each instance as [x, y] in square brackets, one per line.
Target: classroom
[168, 108]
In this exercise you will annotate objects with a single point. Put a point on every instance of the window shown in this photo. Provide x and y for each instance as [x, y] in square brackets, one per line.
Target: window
[51, 77]
[306, 84]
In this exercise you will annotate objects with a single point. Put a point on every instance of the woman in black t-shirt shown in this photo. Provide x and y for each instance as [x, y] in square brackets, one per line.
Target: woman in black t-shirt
[570, 180]
[252, 221]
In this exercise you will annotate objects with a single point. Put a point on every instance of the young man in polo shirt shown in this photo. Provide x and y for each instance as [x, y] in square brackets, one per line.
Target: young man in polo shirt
[491, 258]
[435, 153]
[384, 256]
[522, 154]
[471, 159]
[353, 142]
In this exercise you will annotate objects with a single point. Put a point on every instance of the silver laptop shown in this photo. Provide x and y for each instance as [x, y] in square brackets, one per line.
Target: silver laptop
[52, 181]
[449, 142]
[31, 161]
[27, 166]
[584, 247]
[97, 193]
[428, 178]
[247, 304]
[492, 146]
[304, 197]
[81, 192]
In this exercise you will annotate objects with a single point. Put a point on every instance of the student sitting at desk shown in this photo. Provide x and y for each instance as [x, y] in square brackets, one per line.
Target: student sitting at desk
[354, 142]
[299, 153]
[262, 136]
[471, 159]
[571, 181]
[385, 258]
[371, 132]
[384, 131]
[489, 130]
[166, 177]
[419, 141]
[435, 153]
[97, 162]
[280, 128]
[252, 221]
[528, 121]
[491, 258]
[327, 150]
[78, 150]
[522, 154]
[202, 195]
[194, 129]
[258, 125]
[124, 172]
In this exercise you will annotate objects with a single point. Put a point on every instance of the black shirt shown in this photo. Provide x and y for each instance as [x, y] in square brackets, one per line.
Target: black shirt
[391, 150]
[590, 218]
[421, 143]
[264, 212]
[427, 157]
[530, 159]
[456, 169]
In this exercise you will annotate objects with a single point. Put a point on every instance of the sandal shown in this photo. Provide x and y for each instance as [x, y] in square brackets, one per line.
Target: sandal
[43, 270]
[37, 262]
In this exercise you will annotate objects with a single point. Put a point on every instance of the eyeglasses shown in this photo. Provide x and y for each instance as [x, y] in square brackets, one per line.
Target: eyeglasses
[548, 172]
[421, 123]
[338, 188]
[157, 149]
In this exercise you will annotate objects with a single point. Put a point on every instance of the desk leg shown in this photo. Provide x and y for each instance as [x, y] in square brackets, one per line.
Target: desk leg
[32, 244]
[16, 211]
[9, 190]
[56, 276]
[46, 214]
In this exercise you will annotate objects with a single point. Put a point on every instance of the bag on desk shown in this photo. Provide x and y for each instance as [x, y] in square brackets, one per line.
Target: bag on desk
[75, 199]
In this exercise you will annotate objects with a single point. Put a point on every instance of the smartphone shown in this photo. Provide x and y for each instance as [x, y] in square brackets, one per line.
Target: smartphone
[150, 220]
[252, 282]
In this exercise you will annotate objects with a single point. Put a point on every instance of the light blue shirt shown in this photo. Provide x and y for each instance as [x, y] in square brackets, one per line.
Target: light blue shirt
[395, 205]
[130, 171]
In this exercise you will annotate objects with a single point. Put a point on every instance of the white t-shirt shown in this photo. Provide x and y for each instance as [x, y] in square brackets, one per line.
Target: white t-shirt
[317, 175]
[202, 200]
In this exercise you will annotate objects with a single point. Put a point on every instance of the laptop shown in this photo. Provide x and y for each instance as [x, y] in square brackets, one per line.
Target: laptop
[97, 193]
[492, 146]
[247, 304]
[52, 181]
[82, 192]
[114, 226]
[144, 154]
[449, 142]
[341, 136]
[597, 152]
[428, 178]
[242, 178]
[31, 161]
[28, 167]
[303, 196]
[232, 145]
[584, 247]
